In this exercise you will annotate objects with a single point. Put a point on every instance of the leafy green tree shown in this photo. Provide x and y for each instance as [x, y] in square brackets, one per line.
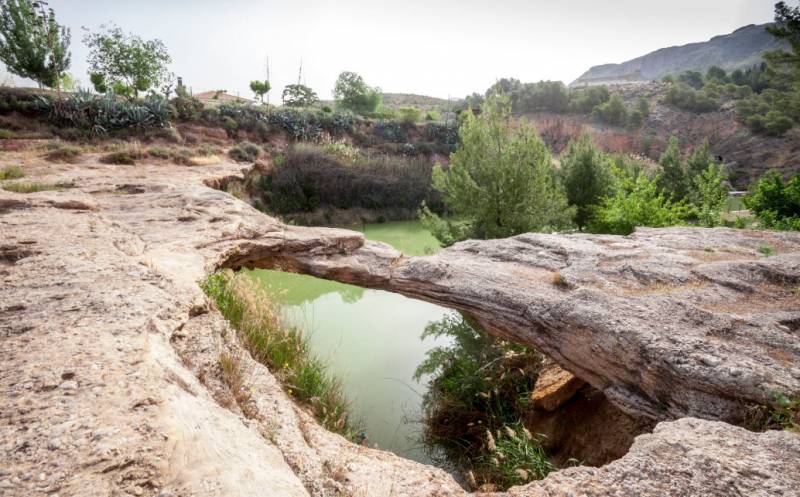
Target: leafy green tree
[260, 88]
[299, 96]
[351, 92]
[775, 203]
[674, 179]
[126, 62]
[711, 194]
[501, 181]
[637, 202]
[32, 43]
[586, 176]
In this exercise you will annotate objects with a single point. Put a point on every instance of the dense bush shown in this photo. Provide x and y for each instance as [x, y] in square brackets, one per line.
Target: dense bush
[443, 133]
[774, 202]
[636, 202]
[186, 107]
[245, 152]
[585, 100]
[391, 131]
[612, 112]
[543, 96]
[772, 112]
[409, 115]
[299, 124]
[311, 177]
[479, 391]
[685, 97]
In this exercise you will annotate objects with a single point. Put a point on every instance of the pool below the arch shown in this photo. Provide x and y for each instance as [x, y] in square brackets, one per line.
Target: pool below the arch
[370, 339]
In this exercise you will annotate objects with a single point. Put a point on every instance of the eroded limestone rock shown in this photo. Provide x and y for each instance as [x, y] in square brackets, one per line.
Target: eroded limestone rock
[101, 281]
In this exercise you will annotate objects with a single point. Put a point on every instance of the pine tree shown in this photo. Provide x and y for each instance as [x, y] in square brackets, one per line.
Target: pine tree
[586, 178]
[501, 181]
[673, 180]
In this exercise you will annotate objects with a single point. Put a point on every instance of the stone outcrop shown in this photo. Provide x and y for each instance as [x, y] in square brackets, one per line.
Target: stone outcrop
[666, 322]
[687, 457]
[109, 376]
[554, 387]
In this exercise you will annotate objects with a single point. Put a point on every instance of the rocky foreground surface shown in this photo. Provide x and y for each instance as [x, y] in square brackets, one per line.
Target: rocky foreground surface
[109, 376]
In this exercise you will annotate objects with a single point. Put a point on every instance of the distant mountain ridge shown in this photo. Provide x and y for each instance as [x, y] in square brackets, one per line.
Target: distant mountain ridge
[743, 48]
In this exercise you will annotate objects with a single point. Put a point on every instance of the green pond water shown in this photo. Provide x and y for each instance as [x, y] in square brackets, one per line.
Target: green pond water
[370, 339]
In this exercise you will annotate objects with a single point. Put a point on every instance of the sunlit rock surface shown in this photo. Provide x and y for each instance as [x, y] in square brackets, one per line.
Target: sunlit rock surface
[109, 376]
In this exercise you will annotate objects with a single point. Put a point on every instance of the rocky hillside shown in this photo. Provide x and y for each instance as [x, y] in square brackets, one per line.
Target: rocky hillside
[741, 49]
[745, 154]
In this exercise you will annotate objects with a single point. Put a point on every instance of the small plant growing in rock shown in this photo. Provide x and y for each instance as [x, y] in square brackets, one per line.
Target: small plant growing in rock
[766, 250]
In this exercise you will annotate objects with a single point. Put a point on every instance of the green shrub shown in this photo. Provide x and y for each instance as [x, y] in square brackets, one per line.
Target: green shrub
[186, 107]
[774, 202]
[637, 202]
[612, 112]
[11, 172]
[409, 115]
[245, 152]
[230, 125]
[585, 100]
[432, 115]
[391, 131]
[7, 134]
[687, 98]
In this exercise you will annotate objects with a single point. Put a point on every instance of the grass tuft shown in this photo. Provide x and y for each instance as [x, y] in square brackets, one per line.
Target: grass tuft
[127, 156]
[32, 187]
[284, 350]
[11, 172]
[231, 368]
[59, 152]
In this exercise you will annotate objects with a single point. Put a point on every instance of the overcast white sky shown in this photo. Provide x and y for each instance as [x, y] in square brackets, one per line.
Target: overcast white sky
[434, 47]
